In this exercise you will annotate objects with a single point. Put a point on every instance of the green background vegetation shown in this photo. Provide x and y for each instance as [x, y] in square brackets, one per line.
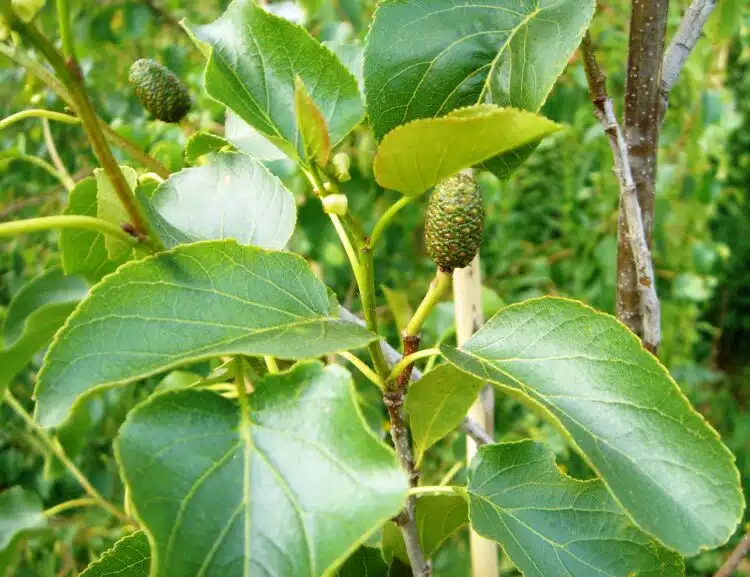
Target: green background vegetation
[551, 229]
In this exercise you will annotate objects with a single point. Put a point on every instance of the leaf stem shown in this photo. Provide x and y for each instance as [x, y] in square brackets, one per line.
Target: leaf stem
[41, 163]
[362, 367]
[58, 451]
[38, 113]
[63, 21]
[239, 381]
[438, 288]
[29, 225]
[67, 505]
[410, 359]
[452, 472]
[271, 364]
[386, 219]
[348, 248]
[435, 490]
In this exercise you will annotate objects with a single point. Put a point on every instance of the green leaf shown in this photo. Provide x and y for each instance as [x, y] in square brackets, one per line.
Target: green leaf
[49, 289]
[437, 403]
[192, 303]
[590, 376]
[207, 478]
[130, 557]
[83, 251]
[351, 55]
[418, 155]
[425, 58]
[233, 196]
[110, 208]
[312, 126]
[20, 515]
[254, 59]
[551, 524]
[203, 143]
[437, 518]
[35, 314]
[365, 562]
[249, 140]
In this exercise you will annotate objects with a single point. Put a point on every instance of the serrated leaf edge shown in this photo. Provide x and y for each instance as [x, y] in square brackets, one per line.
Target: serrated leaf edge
[107, 278]
[529, 401]
[338, 562]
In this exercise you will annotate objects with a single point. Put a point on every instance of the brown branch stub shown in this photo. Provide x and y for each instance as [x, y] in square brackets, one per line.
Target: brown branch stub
[476, 432]
[632, 231]
[738, 554]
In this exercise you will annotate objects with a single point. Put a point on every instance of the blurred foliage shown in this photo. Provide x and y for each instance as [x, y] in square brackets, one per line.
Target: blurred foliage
[551, 229]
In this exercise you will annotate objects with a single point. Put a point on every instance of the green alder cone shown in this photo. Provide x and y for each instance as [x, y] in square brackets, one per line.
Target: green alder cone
[159, 90]
[454, 222]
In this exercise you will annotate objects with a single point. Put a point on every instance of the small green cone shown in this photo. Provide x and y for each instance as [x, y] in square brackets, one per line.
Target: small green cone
[454, 222]
[159, 90]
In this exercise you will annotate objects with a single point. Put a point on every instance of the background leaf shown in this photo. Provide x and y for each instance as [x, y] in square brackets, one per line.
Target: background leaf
[130, 557]
[195, 302]
[437, 517]
[109, 208]
[418, 155]
[425, 58]
[83, 251]
[203, 143]
[365, 562]
[213, 475]
[20, 515]
[35, 314]
[550, 524]
[232, 196]
[437, 403]
[590, 375]
[254, 59]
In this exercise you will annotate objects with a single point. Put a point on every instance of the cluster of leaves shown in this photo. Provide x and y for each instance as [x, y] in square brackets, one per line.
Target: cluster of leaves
[209, 297]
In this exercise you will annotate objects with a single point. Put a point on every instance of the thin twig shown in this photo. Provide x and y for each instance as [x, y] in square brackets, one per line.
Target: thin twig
[392, 356]
[65, 177]
[685, 39]
[636, 236]
[53, 446]
[738, 554]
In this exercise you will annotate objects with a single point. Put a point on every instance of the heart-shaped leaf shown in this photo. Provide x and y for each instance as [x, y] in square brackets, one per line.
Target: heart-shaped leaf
[83, 251]
[437, 403]
[425, 58]
[551, 524]
[34, 315]
[195, 302]
[205, 476]
[254, 58]
[590, 376]
[20, 515]
[413, 157]
[130, 557]
[233, 196]
[437, 518]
